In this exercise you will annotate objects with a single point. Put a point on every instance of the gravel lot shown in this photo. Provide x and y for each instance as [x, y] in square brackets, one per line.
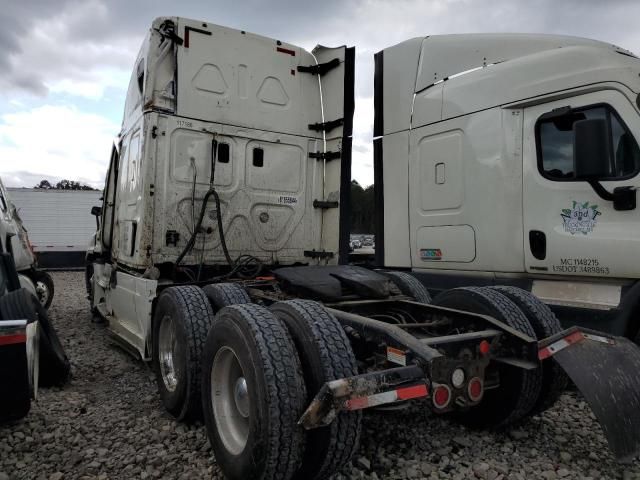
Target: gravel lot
[109, 424]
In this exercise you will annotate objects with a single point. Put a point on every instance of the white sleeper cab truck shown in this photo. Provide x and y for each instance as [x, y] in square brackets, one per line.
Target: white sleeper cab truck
[521, 158]
[15, 240]
[219, 258]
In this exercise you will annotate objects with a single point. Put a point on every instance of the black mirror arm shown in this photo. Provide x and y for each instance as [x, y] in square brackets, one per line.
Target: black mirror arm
[623, 198]
[602, 192]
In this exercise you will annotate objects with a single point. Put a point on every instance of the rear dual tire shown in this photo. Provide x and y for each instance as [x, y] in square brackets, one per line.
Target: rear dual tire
[326, 354]
[181, 322]
[544, 324]
[253, 394]
[519, 389]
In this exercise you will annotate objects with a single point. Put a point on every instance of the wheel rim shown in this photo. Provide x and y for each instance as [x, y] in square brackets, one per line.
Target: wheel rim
[230, 400]
[43, 292]
[169, 353]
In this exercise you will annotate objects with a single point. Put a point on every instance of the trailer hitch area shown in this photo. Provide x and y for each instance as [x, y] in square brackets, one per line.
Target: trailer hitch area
[364, 391]
[606, 369]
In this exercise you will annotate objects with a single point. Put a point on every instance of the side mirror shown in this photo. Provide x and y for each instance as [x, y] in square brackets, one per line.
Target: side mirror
[624, 198]
[97, 212]
[591, 152]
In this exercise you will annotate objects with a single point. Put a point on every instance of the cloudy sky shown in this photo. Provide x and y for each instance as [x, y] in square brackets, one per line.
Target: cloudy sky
[65, 64]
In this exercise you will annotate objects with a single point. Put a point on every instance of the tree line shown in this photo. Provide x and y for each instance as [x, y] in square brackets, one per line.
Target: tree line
[63, 185]
[362, 209]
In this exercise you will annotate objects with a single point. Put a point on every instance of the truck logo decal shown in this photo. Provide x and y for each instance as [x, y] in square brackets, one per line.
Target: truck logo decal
[580, 218]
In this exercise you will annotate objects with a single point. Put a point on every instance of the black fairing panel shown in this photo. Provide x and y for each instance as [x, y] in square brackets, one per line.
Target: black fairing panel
[331, 283]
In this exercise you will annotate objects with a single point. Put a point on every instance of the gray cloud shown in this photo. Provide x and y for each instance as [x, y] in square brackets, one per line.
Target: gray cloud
[45, 44]
[76, 37]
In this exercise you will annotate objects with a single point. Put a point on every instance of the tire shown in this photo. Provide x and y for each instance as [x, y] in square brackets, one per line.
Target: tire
[545, 324]
[325, 354]
[222, 295]
[15, 399]
[409, 285]
[257, 350]
[519, 388]
[44, 287]
[54, 366]
[181, 322]
[88, 279]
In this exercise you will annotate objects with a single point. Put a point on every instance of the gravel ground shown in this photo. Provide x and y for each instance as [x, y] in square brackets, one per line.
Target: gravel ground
[108, 423]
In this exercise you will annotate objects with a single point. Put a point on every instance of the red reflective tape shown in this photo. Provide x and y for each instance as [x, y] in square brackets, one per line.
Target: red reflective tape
[287, 51]
[357, 403]
[13, 339]
[416, 391]
[575, 337]
[561, 344]
[544, 353]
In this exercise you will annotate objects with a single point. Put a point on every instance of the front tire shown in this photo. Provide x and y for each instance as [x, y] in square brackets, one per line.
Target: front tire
[181, 322]
[253, 394]
[44, 287]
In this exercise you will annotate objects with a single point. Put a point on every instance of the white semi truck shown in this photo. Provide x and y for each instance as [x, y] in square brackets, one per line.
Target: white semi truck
[220, 254]
[519, 161]
[15, 240]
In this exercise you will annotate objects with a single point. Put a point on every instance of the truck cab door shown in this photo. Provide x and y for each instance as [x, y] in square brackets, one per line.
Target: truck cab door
[569, 229]
[108, 202]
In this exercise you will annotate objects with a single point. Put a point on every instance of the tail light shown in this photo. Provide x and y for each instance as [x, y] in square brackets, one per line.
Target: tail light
[475, 389]
[441, 396]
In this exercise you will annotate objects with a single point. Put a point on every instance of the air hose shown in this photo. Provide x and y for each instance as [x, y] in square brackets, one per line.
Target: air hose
[242, 266]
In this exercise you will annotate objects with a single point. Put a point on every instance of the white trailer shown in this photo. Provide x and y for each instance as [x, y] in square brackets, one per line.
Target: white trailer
[521, 157]
[58, 222]
[218, 259]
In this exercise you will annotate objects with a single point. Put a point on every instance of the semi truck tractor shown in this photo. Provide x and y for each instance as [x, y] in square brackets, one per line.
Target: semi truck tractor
[15, 240]
[220, 259]
[519, 161]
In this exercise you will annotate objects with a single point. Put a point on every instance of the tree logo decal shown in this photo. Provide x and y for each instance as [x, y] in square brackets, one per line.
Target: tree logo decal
[580, 218]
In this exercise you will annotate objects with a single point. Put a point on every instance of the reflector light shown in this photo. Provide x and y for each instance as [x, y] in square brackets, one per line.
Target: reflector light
[485, 347]
[458, 377]
[441, 396]
[475, 389]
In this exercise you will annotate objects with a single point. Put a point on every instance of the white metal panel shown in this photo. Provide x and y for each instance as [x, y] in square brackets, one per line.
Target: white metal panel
[489, 146]
[239, 78]
[446, 243]
[57, 220]
[600, 296]
[399, 80]
[441, 171]
[537, 75]
[445, 55]
[267, 211]
[395, 148]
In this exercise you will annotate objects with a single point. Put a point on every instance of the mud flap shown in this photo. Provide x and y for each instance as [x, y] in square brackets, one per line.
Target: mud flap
[606, 369]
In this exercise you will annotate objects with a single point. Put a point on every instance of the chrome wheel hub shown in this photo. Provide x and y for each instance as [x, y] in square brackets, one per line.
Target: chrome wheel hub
[230, 400]
[168, 353]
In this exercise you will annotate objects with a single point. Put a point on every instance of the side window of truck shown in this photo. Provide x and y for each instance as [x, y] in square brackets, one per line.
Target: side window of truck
[554, 142]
